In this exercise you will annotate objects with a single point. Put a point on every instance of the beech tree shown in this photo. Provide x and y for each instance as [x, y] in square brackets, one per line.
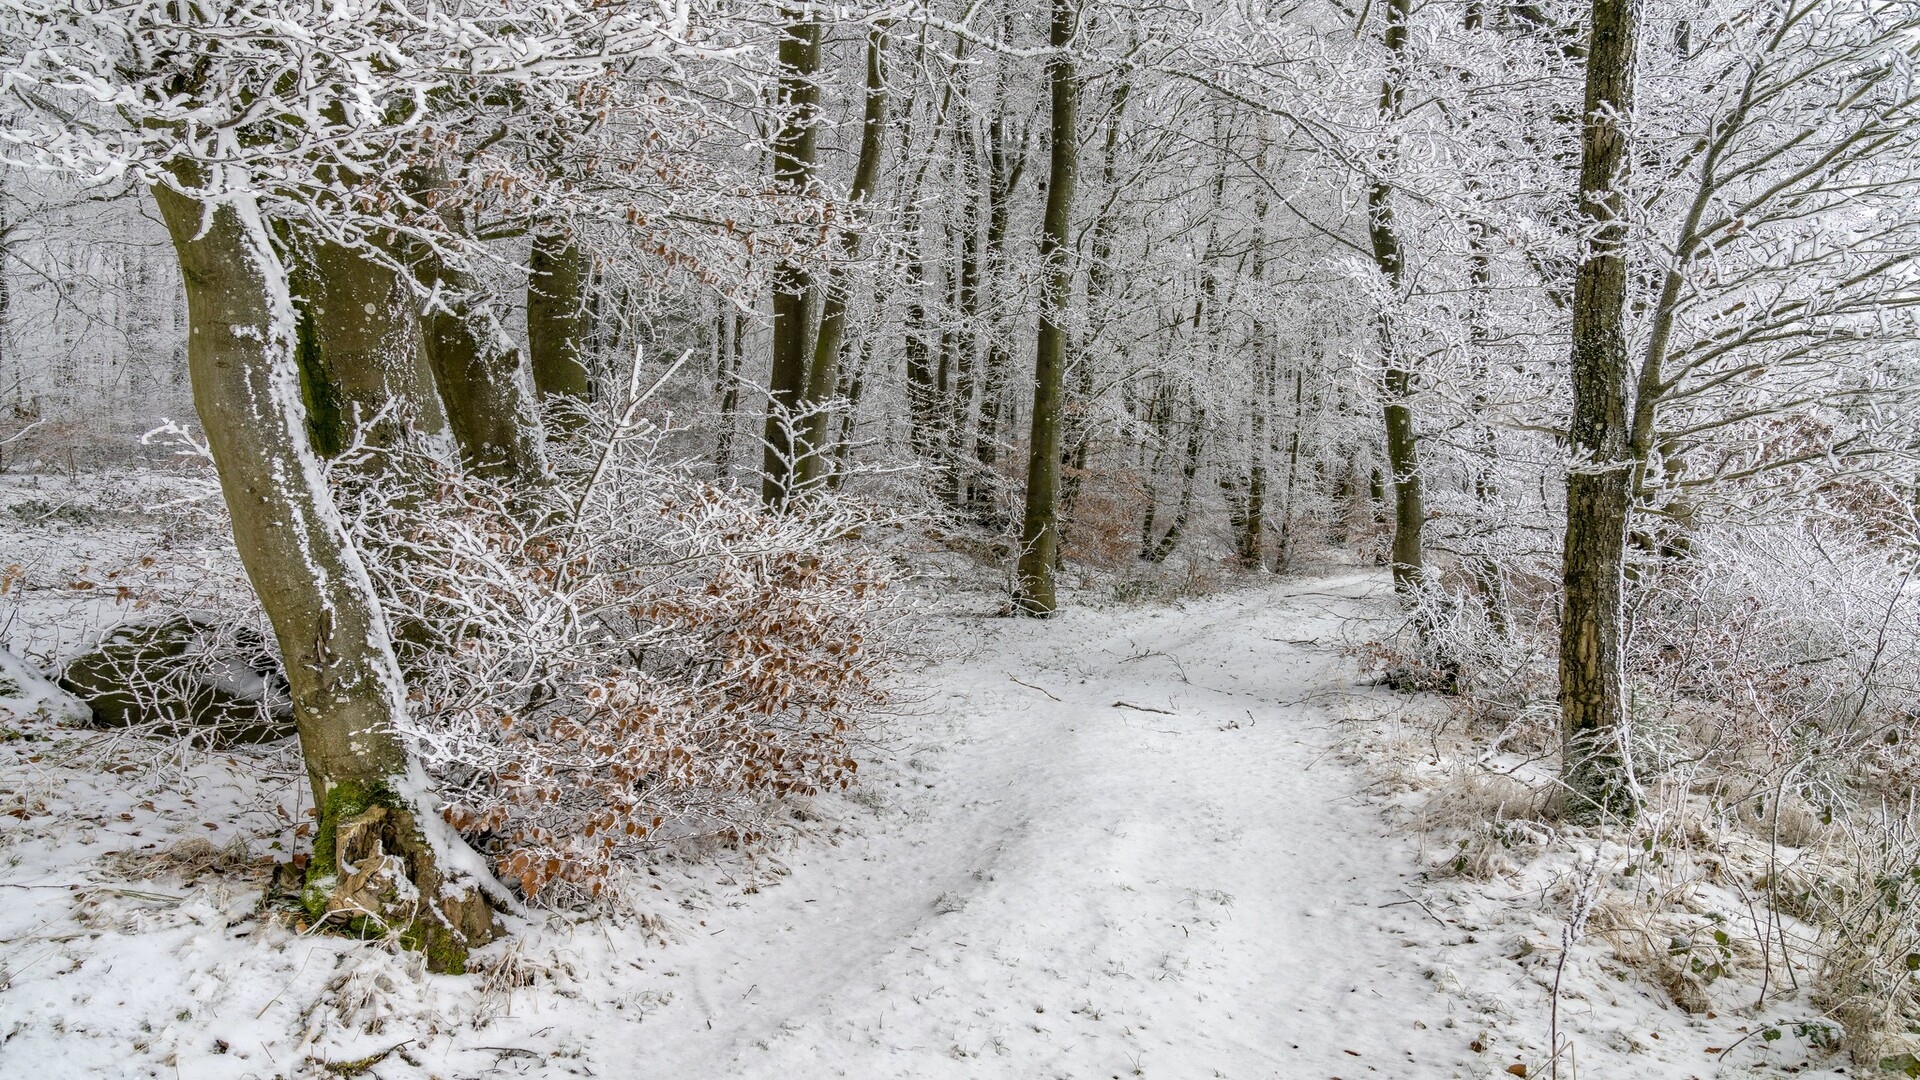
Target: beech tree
[1040, 525]
[344, 157]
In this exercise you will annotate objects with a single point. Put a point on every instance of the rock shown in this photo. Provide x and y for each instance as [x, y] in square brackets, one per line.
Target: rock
[184, 677]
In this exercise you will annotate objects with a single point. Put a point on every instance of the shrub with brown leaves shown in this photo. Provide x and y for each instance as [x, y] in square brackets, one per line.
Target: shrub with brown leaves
[631, 656]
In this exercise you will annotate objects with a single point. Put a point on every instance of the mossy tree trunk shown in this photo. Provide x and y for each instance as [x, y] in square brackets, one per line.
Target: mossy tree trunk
[1403, 445]
[483, 379]
[485, 385]
[346, 685]
[365, 358]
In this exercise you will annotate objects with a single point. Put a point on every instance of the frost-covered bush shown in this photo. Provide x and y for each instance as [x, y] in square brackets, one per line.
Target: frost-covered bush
[632, 655]
[1868, 909]
[1803, 642]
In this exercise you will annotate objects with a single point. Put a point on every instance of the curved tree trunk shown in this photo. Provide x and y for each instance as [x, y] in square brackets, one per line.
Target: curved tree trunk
[484, 383]
[1040, 525]
[483, 379]
[379, 848]
[1596, 767]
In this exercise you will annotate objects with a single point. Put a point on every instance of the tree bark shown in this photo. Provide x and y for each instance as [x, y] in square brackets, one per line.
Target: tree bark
[1040, 526]
[559, 281]
[1078, 421]
[346, 685]
[731, 331]
[793, 283]
[1403, 445]
[483, 378]
[1183, 509]
[823, 379]
[363, 332]
[1596, 768]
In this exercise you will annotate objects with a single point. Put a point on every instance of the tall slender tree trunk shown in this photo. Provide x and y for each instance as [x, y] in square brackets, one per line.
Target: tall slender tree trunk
[793, 283]
[966, 305]
[1484, 566]
[1252, 545]
[824, 377]
[923, 390]
[1403, 446]
[1040, 526]
[1183, 508]
[380, 851]
[1597, 764]
[1005, 164]
[731, 330]
[1078, 436]
[851, 385]
[1283, 556]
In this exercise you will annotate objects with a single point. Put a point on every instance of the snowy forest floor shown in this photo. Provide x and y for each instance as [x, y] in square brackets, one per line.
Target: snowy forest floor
[1129, 841]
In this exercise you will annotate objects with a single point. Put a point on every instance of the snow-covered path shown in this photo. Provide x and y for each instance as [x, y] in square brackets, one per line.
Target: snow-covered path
[1115, 843]
[1078, 888]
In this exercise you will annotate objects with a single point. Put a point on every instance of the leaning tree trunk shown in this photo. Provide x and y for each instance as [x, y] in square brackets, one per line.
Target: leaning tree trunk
[379, 848]
[1040, 526]
[1596, 768]
[793, 284]
[482, 375]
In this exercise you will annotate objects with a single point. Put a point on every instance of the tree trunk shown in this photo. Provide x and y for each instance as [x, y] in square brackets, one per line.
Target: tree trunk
[1183, 509]
[1004, 166]
[966, 306]
[1283, 557]
[1403, 446]
[1596, 767]
[1078, 435]
[731, 330]
[843, 441]
[1252, 546]
[1040, 526]
[363, 331]
[793, 284]
[559, 283]
[824, 377]
[483, 378]
[379, 847]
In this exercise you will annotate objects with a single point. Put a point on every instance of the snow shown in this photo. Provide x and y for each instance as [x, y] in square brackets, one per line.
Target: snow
[1127, 841]
[26, 693]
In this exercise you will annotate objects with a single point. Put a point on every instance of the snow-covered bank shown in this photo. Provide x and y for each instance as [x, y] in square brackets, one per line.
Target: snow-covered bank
[1122, 842]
